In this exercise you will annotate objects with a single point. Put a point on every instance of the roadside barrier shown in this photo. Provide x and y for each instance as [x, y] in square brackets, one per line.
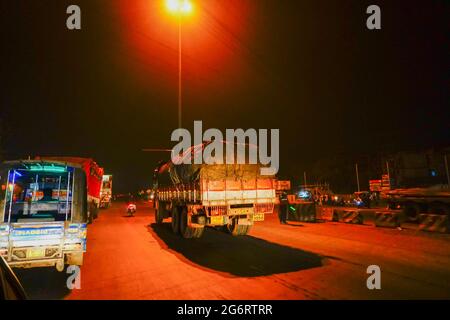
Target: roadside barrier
[324, 213]
[348, 216]
[387, 219]
[434, 223]
[303, 212]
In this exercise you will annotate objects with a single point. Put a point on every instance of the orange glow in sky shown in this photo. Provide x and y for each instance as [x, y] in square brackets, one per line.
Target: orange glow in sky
[216, 36]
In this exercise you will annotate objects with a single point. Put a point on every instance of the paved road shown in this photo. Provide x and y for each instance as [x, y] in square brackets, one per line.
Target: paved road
[132, 258]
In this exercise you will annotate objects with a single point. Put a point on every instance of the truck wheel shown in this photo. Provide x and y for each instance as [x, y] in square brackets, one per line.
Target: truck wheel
[90, 220]
[96, 209]
[186, 231]
[411, 211]
[175, 220]
[158, 215]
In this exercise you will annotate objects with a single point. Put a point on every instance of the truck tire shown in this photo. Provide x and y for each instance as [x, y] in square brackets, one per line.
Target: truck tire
[238, 230]
[91, 212]
[186, 231]
[411, 211]
[175, 220]
[158, 215]
[90, 219]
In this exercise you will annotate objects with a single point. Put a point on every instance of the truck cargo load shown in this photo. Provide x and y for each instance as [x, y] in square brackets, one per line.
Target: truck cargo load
[199, 195]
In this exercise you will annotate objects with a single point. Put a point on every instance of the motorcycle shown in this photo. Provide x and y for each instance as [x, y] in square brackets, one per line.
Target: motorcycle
[131, 209]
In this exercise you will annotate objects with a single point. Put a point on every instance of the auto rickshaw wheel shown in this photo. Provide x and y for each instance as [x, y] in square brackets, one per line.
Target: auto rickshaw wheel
[59, 265]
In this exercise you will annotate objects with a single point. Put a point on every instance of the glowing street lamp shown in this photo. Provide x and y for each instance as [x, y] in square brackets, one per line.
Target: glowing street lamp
[180, 8]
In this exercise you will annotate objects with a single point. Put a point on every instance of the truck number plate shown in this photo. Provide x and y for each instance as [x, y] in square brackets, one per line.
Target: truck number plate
[217, 220]
[35, 253]
[258, 217]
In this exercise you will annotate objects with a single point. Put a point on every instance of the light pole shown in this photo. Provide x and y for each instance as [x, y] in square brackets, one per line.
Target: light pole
[357, 176]
[180, 8]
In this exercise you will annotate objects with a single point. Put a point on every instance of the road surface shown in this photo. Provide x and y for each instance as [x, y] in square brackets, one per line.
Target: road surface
[133, 258]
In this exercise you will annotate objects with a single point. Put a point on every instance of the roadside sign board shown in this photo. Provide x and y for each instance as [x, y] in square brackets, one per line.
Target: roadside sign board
[375, 185]
[282, 185]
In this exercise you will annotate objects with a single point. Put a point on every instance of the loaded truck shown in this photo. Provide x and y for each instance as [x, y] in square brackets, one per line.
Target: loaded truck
[106, 191]
[227, 196]
[414, 201]
[43, 213]
[94, 177]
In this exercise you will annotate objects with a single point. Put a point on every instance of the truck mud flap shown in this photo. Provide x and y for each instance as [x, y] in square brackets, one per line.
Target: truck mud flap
[434, 223]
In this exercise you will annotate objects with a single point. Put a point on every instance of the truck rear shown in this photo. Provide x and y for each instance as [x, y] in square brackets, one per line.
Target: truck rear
[106, 191]
[43, 214]
[232, 196]
[94, 176]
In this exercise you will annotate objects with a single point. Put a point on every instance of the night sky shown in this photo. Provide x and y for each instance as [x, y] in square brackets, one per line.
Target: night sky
[310, 68]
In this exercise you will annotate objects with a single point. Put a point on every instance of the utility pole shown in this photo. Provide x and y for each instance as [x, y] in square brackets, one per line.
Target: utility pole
[446, 170]
[357, 176]
[388, 173]
[304, 177]
[180, 101]
[387, 169]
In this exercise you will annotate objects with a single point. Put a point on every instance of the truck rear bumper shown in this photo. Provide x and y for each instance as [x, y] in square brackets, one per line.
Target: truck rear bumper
[34, 263]
[71, 257]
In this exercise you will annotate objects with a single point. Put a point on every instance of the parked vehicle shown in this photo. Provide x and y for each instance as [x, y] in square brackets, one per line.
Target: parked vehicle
[43, 213]
[106, 191]
[413, 201]
[233, 196]
[94, 176]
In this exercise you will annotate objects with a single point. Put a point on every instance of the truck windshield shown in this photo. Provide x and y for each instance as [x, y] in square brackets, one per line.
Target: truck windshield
[38, 195]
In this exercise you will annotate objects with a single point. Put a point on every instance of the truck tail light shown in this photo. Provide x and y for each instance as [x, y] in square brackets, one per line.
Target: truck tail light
[218, 210]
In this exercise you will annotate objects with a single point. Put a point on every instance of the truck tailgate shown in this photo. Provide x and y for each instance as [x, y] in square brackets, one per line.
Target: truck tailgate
[219, 192]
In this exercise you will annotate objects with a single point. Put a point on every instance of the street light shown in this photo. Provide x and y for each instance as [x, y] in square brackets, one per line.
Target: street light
[180, 8]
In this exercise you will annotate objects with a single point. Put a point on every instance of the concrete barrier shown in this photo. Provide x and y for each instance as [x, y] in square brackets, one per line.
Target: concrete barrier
[387, 219]
[368, 216]
[324, 213]
[303, 212]
[434, 223]
[348, 216]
